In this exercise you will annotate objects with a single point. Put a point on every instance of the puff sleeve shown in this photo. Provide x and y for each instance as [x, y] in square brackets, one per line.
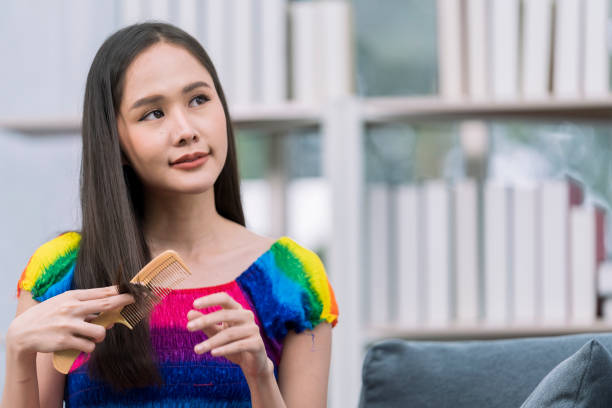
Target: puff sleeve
[290, 290]
[50, 269]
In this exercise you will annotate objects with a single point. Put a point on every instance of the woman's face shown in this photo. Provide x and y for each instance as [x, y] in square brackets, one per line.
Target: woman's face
[171, 122]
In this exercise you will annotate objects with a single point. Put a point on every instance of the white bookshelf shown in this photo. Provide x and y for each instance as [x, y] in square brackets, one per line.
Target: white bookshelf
[343, 123]
[344, 126]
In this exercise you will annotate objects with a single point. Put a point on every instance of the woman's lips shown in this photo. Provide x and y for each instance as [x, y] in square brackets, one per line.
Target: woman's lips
[188, 165]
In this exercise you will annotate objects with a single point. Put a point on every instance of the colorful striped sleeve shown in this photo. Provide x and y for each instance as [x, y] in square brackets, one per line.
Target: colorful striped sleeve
[290, 290]
[50, 269]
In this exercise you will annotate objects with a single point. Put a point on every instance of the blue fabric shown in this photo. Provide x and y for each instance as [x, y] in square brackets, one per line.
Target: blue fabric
[286, 308]
[187, 381]
[583, 380]
[183, 403]
[61, 286]
[463, 374]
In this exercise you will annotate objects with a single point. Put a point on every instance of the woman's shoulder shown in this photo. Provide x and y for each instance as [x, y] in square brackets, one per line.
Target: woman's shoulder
[291, 288]
[295, 260]
[50, 268]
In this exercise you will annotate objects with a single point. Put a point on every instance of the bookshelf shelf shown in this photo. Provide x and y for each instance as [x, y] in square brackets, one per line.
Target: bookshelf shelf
[42, 125]
[481, 331]
[394, 109]
[275, 118]
[290, 115]
[279, 117]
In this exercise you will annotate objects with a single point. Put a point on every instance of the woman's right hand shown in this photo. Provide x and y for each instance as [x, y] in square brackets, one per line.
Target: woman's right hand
[61, 322]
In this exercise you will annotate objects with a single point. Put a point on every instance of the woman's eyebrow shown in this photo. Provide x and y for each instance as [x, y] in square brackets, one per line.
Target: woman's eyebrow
[156, 98]
[195, 85]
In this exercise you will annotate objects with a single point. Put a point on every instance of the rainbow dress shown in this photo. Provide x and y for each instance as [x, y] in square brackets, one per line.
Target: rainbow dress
[286, 288]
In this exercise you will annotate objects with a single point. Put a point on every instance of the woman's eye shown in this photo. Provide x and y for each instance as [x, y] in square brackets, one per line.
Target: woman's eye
[156, 114]
[199, 100]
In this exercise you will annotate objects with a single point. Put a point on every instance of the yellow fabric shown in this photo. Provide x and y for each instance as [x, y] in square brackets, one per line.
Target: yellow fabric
[314, 269]
[45, 256]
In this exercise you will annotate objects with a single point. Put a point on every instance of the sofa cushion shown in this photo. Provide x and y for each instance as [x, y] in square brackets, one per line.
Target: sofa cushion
[583, 380]
[457, 374]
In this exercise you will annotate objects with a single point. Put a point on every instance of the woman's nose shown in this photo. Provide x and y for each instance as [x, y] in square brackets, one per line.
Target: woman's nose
[187, 139]
[184, 132]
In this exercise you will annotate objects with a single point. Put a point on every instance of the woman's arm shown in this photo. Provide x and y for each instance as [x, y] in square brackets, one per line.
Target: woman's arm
[303, 373]
[39, 329]
[26, 375]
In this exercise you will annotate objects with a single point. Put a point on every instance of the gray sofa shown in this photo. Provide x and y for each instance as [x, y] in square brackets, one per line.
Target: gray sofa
[563, 371]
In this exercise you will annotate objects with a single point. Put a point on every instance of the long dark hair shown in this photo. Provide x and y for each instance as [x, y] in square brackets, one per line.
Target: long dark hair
[113, 247]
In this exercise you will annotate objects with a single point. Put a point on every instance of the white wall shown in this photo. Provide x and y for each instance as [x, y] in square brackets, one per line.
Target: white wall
[38, 200]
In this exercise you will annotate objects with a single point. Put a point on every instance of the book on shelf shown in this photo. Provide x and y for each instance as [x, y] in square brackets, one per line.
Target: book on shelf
[604, 267]
[439, 293]
[246, 40]
[465, 218]
[215, 21]
[504, 48]
[604, 290]
[604, 280]
[306, 64]
[536, 45]
[583, 265]
[557, 197]
[188, 17]
[271, 51]
[497, 260]
[241, 56]
[596, 59]
[450, 50]
[336, 43]
[477, 49]
[568, 44]
[256, 202]
[321, 50]
[308, 211]
[576, 194]
[541, 248]
[606, 309]
[600, 233]
[525, 254]
[378, 254]
[409, 253]
[131, 12]
[158, 10]
[80, 22]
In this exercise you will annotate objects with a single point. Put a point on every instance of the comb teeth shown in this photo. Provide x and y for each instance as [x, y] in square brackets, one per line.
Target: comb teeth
[159, 276]
[135, 312]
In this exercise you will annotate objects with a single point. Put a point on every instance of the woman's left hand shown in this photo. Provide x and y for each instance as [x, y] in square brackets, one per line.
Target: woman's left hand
[232, 333]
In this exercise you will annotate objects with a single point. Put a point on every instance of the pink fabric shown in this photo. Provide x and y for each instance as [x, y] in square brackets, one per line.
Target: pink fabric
[171, 312]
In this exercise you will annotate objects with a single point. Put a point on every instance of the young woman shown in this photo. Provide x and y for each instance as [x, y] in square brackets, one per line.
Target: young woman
[250, 327]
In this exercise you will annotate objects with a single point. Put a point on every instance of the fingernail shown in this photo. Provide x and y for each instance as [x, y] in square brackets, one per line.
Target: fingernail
[190, 325]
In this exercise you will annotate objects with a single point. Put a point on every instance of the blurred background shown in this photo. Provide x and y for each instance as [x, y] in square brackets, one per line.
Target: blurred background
[448, 160]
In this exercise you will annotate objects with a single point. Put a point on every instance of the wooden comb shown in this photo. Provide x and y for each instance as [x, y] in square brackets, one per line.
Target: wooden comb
[160, 276]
